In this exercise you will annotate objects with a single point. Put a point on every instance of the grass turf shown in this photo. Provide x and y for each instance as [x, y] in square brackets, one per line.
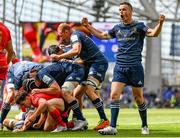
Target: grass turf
[162, 123]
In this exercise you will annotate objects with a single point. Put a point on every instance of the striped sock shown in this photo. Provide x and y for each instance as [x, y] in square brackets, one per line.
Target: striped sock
[99, 106]
[143, 113]
[4, 111]
[114, 106]
[75, 107]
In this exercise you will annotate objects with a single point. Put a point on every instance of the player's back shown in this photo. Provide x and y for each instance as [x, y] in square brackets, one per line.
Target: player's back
[89, 51]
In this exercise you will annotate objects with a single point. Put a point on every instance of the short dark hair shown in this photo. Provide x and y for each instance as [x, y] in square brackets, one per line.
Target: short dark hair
[20, 97]
[53, 49]
[29, 84]
[128, 4]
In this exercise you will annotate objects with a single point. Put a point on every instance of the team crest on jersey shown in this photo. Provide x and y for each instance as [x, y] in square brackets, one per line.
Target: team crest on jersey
[140, 83]
[74, 38]
[46, 79]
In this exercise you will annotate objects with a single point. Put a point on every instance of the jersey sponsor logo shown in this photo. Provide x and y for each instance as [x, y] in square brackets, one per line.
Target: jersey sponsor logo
[77, 78]
[74, 38]
[140, 83]
[46, 79]
[99, 74]
[70, 78]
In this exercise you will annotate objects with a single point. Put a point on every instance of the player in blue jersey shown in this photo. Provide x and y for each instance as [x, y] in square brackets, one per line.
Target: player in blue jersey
[14, 83]
[94, 61]
[60, 76]
[128, 69]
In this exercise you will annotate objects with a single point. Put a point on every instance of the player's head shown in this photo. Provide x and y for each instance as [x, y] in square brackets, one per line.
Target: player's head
[125, 12]
[23, 99]
[64, 33]
[54, 49]
[29, 84]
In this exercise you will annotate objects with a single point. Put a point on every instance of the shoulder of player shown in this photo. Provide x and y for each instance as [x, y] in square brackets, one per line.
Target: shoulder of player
[135, 22]
[78, 33]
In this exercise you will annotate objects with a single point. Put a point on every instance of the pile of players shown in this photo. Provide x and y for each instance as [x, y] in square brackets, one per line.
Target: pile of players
[55, 88]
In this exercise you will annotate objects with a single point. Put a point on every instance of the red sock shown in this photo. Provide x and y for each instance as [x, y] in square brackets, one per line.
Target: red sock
[57, 117]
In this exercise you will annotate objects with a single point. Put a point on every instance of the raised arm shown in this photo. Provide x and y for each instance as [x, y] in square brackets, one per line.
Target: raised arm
[94, 31]
[154, 32]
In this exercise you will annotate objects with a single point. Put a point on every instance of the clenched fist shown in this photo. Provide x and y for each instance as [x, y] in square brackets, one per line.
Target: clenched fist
[84, 21]
[161, 18]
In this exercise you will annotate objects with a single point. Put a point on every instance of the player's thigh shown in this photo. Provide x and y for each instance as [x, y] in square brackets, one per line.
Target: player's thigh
[116, 89]
[56, 103]
[49, 124]
[138, 94]
[79, 91]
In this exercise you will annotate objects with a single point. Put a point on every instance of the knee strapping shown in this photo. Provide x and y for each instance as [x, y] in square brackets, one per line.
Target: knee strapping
[98, 88]
[92, 83]
[68, 86]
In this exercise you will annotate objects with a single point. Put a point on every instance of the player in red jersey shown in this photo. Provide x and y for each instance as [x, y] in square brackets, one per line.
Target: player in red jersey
[30, 34]
[6, 54]
[6, 50]
[52, 104]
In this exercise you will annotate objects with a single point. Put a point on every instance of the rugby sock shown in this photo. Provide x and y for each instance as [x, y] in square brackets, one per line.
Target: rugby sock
[143, 113]
[4, 111]
[74, 116]
[114, 106]
[99, 106]
[35, 48]
[56, 115]
[75, 107]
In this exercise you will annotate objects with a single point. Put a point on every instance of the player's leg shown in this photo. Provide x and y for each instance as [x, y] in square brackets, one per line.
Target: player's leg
[9, 123]
[137, 81]
[116, 91]
[55, 107]
[95, 78]
[142, 107]
[8, 96]
[50, 123]
[67, 93]
[118, 83]
[78, 94]
[92, 84]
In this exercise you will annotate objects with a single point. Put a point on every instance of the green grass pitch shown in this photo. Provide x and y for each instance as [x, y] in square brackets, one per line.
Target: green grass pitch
[162, 123]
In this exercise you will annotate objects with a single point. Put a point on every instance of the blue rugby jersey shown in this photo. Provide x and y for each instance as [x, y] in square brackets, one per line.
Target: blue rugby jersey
[18, 70]
[90, 53]
[130, 42]
[60, 72]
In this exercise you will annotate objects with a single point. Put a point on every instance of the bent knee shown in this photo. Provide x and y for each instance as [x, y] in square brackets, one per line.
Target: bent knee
[114, 96]
[139, 100]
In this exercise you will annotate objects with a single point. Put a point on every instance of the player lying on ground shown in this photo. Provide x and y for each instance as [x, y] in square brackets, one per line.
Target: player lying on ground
[50, 104]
